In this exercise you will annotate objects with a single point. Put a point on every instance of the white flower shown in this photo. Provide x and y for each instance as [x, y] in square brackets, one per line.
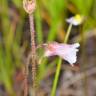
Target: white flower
[65, 51]
[75, 20]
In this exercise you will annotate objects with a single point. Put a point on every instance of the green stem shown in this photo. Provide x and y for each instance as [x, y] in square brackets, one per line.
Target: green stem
[59, 64]
[68, 33]
[56, 77]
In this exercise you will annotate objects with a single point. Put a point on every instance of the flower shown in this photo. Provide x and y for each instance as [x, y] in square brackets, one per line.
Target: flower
[75, 20]
[65, 51]
[29, 5]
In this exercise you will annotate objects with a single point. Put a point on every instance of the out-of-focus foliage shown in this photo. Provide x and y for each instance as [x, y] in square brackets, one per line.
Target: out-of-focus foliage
[10, 38]
[18, 3]
[55, 10]
[83, 7]
[52, 12]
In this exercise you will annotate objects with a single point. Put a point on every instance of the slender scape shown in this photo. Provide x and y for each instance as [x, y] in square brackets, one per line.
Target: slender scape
[29, 6]
[33, 51]
[53, 92]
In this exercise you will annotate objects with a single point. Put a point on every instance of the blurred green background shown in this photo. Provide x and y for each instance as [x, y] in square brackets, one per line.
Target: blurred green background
[50, 24]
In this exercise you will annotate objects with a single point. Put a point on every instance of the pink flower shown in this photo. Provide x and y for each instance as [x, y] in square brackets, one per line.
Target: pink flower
[65, 51]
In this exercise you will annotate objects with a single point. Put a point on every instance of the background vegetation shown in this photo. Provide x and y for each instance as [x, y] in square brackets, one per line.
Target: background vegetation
[50, 25]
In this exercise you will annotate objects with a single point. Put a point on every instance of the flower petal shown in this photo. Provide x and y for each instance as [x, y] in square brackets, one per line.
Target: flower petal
[69, 52]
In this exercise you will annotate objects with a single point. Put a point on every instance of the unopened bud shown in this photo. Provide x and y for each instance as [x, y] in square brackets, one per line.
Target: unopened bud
[29, 6]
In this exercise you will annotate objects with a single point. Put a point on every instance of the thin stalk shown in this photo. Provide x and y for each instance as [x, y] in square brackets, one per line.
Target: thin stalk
[68, 33]
[30, 6]
[33, 50]
[59, 64]
[26, 73]
[26, 80]
[56, 77]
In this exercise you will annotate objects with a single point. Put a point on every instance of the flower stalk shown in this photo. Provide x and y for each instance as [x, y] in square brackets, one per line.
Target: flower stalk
[30, 6]
[33, 51]
[68, 33]
[53, 92]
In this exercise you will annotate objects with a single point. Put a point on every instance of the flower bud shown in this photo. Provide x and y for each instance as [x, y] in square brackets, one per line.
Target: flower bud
[29, 6]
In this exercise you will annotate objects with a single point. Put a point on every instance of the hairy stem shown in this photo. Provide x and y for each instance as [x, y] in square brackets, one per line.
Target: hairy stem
[30, 6]
[33, 50]
[26, 80]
